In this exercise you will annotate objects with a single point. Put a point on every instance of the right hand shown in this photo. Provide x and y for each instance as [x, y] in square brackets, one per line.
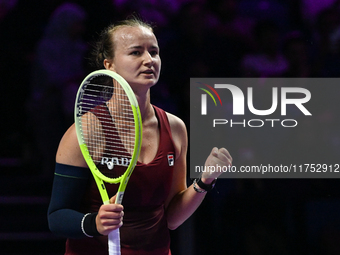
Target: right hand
[110, 217]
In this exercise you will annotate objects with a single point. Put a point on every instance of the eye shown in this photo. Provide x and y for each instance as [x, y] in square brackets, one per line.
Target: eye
[135, 53]
[153, 52]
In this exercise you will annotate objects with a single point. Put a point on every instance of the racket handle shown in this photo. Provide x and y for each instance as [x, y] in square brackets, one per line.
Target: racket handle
[114, 242]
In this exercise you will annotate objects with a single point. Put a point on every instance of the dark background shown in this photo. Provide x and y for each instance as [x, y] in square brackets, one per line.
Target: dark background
[231, 38]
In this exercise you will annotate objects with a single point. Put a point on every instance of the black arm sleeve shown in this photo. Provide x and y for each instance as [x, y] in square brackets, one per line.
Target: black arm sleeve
[69, 186]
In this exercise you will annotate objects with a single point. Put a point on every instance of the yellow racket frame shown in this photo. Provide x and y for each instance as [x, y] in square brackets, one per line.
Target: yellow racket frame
[98, 176]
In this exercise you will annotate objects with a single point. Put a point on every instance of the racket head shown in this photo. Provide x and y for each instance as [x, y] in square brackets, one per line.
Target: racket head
[108, 126]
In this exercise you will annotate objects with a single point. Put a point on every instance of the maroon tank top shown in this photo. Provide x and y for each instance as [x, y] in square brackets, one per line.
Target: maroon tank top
[144, 229]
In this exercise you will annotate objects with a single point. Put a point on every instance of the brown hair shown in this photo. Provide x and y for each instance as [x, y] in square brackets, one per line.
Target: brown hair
[104, 47]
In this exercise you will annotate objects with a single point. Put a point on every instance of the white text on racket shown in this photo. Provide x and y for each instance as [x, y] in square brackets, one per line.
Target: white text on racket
[115, 161]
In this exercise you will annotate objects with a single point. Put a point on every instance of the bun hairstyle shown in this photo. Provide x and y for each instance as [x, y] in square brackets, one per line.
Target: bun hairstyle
[104, 47]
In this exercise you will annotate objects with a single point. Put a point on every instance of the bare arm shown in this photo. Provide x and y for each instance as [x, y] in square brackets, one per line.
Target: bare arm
[183, 201]
[68, 151]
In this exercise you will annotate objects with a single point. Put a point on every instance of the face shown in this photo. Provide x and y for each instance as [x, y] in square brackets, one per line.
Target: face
[136, 57]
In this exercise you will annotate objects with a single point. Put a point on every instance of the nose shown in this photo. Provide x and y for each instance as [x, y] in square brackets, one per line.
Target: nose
[148, 59]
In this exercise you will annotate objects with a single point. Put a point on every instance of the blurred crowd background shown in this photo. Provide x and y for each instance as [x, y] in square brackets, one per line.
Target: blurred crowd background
[45, 51]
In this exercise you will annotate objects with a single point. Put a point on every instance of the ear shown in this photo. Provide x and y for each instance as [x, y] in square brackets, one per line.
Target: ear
[109, 65]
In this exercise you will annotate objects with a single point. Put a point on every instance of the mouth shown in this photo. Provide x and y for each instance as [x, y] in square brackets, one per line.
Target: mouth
[148, 72]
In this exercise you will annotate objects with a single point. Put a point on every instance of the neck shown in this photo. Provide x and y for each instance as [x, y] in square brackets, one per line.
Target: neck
[145, 106]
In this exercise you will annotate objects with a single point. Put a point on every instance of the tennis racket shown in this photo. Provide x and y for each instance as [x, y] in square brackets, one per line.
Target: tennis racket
[109, 131]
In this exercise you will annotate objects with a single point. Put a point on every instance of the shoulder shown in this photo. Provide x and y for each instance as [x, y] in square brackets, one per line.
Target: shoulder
[178, 132]
[176, 123]
[68, 151]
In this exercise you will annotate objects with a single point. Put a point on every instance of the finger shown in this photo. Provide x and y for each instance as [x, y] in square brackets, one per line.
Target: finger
[225, 152]
[113, 215]
[106, 229]
[114, 208]
[112, 222]
[214, 152]
[118, 215]
[113, 199]
[111, 211]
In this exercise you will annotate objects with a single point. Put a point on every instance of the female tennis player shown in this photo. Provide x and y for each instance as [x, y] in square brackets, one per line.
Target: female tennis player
[157, 198]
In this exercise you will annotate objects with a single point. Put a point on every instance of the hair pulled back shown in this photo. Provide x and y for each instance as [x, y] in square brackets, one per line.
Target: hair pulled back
[104, 47]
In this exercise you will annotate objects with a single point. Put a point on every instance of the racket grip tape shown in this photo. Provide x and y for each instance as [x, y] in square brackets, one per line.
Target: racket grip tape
[114, 242]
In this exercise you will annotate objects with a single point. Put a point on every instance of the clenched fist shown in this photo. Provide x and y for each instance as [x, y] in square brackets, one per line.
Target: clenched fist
[217, 157]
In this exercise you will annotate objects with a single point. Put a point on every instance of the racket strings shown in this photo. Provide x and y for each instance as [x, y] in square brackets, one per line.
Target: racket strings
[110, 129]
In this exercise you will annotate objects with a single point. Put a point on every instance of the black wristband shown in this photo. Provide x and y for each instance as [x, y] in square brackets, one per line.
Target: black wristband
[206, 187]
[90, 226]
